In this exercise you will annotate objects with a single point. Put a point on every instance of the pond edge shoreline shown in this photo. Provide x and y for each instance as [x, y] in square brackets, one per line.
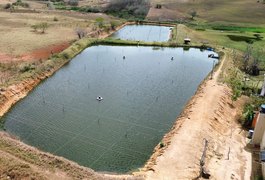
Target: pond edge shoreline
[16, 92]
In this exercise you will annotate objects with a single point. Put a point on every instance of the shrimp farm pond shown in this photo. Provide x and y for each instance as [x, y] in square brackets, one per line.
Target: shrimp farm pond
[143, 91]
[147, 33]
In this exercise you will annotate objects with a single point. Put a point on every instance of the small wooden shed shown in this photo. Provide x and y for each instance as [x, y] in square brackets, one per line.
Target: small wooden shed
[187, 40]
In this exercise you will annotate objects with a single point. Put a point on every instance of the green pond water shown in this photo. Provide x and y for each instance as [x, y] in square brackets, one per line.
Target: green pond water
[148, 33]
[143, 94]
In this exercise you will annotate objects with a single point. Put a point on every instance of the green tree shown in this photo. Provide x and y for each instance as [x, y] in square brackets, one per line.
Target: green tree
[247, 57]
[73, 2]
[100, 22]
[258, 36]
[113, 25]
[235, 83]
[34, 27]
[43, 26]
[193, 14]
[80, 32]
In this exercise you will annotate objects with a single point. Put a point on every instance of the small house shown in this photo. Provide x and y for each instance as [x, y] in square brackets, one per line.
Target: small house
[187, 40]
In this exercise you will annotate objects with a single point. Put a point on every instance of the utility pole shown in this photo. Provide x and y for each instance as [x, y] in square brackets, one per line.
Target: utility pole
[212, 69]
[263, 88]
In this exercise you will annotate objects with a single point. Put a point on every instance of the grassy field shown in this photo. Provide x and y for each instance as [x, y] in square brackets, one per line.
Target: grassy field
[17, 36]
[224, 12]
[233, 39]
[226, 23]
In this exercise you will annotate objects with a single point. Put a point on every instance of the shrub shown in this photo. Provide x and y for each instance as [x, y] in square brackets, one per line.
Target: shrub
[235, 83]
[55, 19]
[158, 6]
[128, 8]
[42, 26]
[73, 2]
[200, 29]
[50, 5]
[20, 3]
[90, 9]
[61, 1]
[113, 25]
[80, 32]
[55, 56]
[100, 22]
[25, 5]
[161, 145]
[7, 6]
[107, 28]
[26, 67]
[48, 65]
[193, 14]
[258, 36]
[247, 115]
[34, 27]
[65, 55]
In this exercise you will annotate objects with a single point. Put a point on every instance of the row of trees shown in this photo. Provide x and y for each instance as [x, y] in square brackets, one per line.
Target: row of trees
[252, 59]
[69, 2]
[123, 8]
[99, 24]
[17, 3]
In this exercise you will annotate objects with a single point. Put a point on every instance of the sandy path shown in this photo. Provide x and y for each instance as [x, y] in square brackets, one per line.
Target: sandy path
[208, 115]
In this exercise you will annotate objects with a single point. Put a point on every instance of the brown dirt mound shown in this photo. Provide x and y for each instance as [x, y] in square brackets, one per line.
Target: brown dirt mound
[43, 53]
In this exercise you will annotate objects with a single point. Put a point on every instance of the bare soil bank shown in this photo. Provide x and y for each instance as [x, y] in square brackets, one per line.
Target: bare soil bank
[20, 161]
[209, 115]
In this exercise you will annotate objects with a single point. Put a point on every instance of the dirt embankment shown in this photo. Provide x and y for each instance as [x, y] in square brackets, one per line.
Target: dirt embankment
[209, 115]
[20, 161]
[43, 53]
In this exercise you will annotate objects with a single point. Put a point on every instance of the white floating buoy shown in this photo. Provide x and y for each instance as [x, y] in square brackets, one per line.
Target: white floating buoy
[99, 98]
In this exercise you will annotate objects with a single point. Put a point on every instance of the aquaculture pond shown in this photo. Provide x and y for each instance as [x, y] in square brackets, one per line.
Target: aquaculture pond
[143, 89]
[148, 33]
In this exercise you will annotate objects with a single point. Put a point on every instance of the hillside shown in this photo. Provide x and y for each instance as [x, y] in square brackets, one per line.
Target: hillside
[224, 11]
